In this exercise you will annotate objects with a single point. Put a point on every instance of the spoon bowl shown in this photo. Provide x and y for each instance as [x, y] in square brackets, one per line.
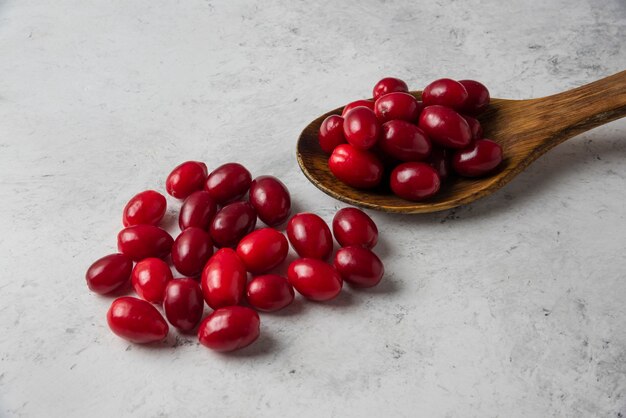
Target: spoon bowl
[526, 129]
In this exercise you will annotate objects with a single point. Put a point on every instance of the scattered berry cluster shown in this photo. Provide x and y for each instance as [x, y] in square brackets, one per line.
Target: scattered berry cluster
[419, 141]
[216, 213]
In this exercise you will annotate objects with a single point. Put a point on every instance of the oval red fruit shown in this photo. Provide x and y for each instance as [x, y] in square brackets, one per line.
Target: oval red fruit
[109, 273]
[150, 278]
[224, 279]
[191, 250]
[147, 208]
[404, 141]
[271, 200]
[331, 133]
[229, 329]
[198, 210]
[232, 222]
[136, 320]
[183, 303]
[270, 293]
[310, 236]
[414, 181]
[389, 85]
[228, 182]
[445, 127]
[359, 266]
[314, 279]
[262, 250]
[480, 159]
[355, 167]
[186, 179]
[143, 241]
[397, 105]
[352, 226]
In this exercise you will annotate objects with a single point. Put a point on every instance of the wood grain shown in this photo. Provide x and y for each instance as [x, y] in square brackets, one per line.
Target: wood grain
[526, 129]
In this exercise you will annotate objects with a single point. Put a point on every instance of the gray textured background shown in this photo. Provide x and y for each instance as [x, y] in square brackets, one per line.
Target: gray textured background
[511, 307]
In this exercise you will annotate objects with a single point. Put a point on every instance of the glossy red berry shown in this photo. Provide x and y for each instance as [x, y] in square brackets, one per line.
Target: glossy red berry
[352, 226]
[183, 303]
[229, 329]
[136, 320]
[445, 92]
[262, 250]
[414, 181]
[314, 279]
[365, 103]
[480, 159]
[404, 141]
[331, 133]
[445, 127]
[224, 279]
[271, 200]
[269, 293]
[389, 85]
[232, 222]
[228, 182]
[147, 208]
[359, 266]
[143, 241]
[477, 97]
[475, 128]
[355, 167]
[191, 250]
[150, 278]
[402, 106]
[186, 179]
[198, 210]
[109, 273]
[310, 236]
[361, 128]
[440, 160]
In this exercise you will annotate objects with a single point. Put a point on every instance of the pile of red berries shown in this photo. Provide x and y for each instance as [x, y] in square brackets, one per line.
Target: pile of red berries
[220, 210]
[419, 141]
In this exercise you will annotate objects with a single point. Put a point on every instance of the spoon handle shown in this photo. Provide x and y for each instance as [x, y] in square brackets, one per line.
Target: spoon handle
[575, 111]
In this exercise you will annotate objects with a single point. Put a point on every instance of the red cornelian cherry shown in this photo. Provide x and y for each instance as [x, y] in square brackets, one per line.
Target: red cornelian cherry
[479, 159]
[191, 250]
[143, 241]
[314, 279]
[150, 278]
[310, 236]
[229, 329]
[397, 105]
[359, 266]
[271, 200]
[389, 85]
[475, 128]
[445, 127]
[414, 181]
[232, 222]
[477, 97]
[445, 92]
[136, 320]
[186, 179]
[331, 133]
[355, 167]
[365, 103]
[147, 208]
[183, 303]
[198, 210]
[224, 279]
[404, 141]
[228, 182]
[440, 160]
[269, 293]
[109, 273]
[361, 128]
[262, 250]
[352, 226]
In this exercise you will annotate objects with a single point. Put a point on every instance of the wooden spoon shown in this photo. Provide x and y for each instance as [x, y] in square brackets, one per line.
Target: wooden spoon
[526, 129]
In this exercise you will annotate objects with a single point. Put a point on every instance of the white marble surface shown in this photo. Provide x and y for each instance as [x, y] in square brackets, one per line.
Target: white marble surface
[511, 307]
